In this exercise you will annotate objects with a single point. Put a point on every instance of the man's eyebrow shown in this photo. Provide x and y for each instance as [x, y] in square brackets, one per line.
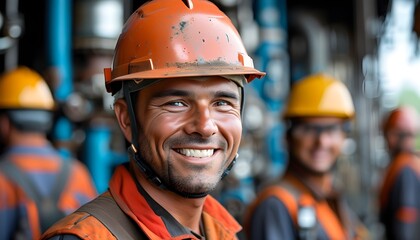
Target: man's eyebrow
[171, 92]
[227, 94]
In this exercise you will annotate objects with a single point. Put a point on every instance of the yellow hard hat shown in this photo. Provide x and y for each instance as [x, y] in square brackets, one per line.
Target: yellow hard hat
[319, 95]
[23, 88]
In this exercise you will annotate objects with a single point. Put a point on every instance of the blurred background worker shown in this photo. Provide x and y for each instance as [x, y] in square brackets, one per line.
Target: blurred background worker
[400, 128]
[37, 186]
[400, 193]
[304, 204]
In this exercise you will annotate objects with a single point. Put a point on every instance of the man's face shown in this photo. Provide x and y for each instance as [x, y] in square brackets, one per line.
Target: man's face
[189, 130]
[401, 138]
[316, 142]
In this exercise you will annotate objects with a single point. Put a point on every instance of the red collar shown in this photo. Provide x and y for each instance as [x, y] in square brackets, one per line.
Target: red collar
[124, 190]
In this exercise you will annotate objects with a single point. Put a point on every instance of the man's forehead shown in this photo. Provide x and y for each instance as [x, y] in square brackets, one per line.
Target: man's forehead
[194, 84]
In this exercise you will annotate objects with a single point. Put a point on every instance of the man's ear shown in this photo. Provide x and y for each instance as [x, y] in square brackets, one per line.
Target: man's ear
[5, 125]
[121, 112]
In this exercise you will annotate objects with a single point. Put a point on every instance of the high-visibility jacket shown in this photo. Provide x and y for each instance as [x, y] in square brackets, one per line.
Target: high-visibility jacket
[290, 209]
[399, 198]
[19, 215]
[148, 216]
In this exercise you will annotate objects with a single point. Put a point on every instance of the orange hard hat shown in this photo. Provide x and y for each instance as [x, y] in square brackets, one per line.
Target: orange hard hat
[319, 95]
[23, 88]
[178, 38]
[402, 118]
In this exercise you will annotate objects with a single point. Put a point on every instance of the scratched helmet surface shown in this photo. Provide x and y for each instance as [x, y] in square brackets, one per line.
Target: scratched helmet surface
[178, 38]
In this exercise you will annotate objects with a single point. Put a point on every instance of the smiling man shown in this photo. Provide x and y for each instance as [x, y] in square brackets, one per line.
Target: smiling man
[178, 77]
[303, 204]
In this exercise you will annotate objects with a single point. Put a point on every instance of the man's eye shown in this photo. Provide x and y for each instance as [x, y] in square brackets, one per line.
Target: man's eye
[310, 129]
[222, 103]
[176, 104]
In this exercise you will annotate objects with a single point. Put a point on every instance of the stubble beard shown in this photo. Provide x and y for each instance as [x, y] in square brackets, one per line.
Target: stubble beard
[197, 183]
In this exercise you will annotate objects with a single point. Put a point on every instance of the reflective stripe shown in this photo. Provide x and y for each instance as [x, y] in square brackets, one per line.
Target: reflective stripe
[287, 192]
[401, 161]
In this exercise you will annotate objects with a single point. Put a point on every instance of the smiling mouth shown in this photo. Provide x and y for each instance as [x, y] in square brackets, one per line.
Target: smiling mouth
[196, 152]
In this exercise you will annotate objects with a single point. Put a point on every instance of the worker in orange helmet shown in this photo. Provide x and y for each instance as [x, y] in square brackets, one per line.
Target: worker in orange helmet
[399, 195]
[400, 128]
[303, 203]
[178, 77]
[37, 186]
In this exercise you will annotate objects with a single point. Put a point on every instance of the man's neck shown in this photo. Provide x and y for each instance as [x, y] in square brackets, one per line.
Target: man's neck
[27, 139]
[322, 184]
[187, 211]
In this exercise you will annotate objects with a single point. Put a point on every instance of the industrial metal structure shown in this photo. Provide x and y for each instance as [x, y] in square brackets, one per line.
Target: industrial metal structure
[71, 41]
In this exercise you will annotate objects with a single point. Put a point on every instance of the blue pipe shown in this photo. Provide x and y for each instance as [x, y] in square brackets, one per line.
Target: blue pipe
[274, 60]
[99, 158]
[272, 52]
[59, 57]
[59, 43]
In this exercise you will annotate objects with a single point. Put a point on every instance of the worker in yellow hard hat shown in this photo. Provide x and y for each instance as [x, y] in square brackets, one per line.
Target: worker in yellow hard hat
[37, 186]
[399, 195]
[304, 204]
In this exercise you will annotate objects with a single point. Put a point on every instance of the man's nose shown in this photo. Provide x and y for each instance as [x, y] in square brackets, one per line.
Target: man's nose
[202, 123]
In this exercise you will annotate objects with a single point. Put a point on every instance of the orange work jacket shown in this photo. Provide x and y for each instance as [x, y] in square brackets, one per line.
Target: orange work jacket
[218, 223]
[399, 197]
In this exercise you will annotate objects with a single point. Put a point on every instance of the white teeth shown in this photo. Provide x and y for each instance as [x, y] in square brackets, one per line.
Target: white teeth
[196, 153]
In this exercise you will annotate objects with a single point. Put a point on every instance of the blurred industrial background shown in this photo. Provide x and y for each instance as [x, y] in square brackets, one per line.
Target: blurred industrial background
[371, 45]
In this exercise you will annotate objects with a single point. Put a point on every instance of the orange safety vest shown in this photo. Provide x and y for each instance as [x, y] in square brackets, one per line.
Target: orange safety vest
[218, 223]
[294, 195]
[392, 211]
[400, 162]
[24, 170]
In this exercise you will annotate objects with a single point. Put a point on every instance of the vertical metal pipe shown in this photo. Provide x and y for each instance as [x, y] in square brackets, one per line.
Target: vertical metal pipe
[96, 30]
[59, 58]
[59, 44]
[97, 155]
[11, 55]
[273, 59]
[367, 109]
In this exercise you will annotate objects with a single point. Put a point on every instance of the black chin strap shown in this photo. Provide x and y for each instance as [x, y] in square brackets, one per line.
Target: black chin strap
[227, 170]
[144, 167]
